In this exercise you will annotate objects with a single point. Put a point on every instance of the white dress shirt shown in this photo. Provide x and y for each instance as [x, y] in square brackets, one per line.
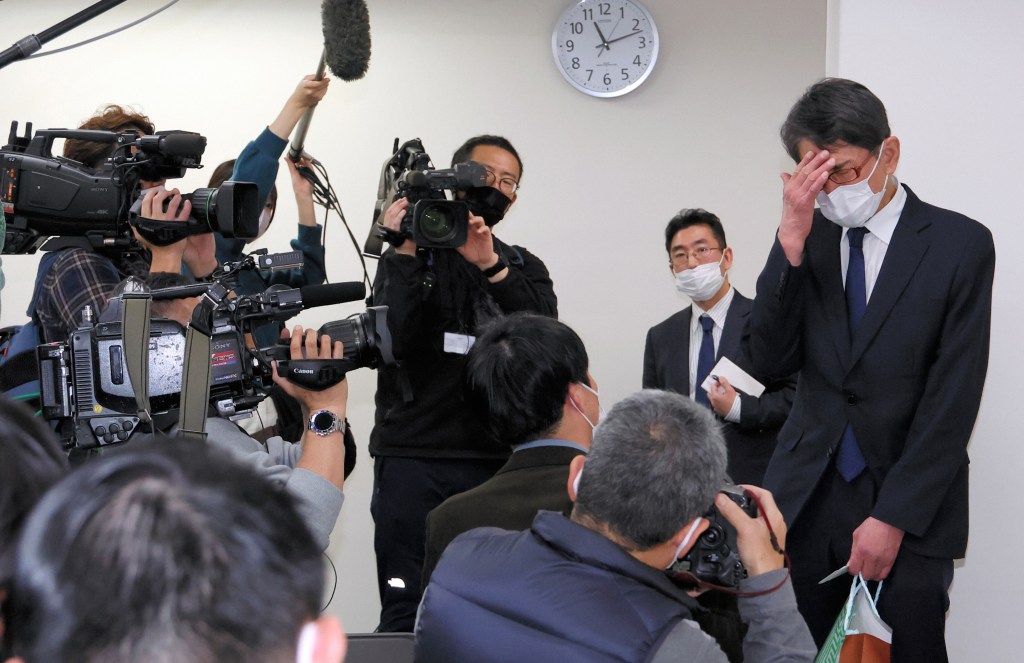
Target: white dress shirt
[718, 313]
[876, 241]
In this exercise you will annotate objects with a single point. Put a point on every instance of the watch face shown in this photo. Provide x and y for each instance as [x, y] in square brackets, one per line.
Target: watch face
[323, 421]
[607, 48]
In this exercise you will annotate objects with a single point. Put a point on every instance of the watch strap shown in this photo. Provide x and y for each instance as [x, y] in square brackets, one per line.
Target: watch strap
[495, 268]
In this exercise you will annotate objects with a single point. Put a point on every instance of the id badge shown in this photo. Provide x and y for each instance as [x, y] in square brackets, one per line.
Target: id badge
[458, 344]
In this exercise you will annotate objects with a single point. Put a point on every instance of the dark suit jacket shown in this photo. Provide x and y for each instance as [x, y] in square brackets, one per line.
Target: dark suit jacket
[667, 366]
[909, 381]
[532, 480]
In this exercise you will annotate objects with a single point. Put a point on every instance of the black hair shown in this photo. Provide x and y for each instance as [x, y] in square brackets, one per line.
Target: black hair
[32, 461]
[168, 553]
[694, 217]
[466, 149]
[518, 375]
[835, 110]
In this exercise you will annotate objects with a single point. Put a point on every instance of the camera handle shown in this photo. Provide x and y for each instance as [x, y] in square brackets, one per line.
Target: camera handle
[314, 374]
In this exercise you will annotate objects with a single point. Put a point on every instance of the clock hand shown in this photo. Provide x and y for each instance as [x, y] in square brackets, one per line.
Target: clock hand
[604, 40]
[625, 36]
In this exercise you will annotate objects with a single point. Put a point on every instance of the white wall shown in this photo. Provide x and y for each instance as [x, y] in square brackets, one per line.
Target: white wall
[949, 74]
[602, 177]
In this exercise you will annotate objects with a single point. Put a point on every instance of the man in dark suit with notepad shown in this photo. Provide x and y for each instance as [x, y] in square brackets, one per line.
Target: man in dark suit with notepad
[683, 351]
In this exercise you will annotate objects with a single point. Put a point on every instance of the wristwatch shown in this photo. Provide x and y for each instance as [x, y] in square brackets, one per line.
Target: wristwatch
[495, 268]
[325, 422]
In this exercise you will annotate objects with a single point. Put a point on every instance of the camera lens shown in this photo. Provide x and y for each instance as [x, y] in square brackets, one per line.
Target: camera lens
[437, 224]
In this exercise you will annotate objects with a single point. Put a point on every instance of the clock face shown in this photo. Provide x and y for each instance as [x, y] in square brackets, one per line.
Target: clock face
[605, 48]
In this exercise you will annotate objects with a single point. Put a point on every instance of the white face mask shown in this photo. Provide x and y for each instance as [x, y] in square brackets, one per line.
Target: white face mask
[702, 282]
[686, 541]
[265, 217]
[853, 205]
[600, 408]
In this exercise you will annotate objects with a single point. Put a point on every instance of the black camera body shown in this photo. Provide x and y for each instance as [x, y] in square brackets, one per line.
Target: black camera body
[715, 558]
[86, 391]
[47, 196]
[432, 220]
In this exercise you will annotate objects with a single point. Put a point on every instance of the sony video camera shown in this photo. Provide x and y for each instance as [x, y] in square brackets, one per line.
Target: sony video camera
[715, 558]
[432, 220]
[85, 386]
[50, 196]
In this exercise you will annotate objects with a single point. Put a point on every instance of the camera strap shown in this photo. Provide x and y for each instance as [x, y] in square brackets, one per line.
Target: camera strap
[135, 305]
[195, 378]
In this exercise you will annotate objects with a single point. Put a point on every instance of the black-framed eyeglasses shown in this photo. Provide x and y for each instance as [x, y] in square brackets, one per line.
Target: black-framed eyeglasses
[700, 255]
[847, 175]
[506, 185]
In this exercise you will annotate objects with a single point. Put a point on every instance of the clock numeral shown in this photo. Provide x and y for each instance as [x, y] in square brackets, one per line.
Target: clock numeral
[577, 27]
[622, 13]
[625, 75]
[575, 63]
[643, 42]
[607, 79]
[570, 45]
[588, 14]
[636, 24]
[605, 7]
[590, 74]
[636, 60]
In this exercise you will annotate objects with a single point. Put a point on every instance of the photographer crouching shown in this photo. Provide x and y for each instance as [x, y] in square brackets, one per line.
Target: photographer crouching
[593, 587]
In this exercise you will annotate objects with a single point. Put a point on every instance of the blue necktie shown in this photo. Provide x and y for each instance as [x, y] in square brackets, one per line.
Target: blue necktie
[705, 361]
[849, 460]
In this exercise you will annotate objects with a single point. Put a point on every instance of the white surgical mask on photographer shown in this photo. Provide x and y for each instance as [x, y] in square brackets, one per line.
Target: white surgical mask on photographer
[686, 540]
[853, 205]
[600, 416]
[701, 282]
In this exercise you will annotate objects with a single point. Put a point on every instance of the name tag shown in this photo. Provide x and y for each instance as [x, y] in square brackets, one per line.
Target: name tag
[458, 344]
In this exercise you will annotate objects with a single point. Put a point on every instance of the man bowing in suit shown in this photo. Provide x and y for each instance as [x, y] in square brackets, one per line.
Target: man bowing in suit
[682, 350]
[883, 304]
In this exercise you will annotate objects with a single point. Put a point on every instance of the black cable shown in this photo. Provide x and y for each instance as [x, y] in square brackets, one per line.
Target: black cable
[334, 586]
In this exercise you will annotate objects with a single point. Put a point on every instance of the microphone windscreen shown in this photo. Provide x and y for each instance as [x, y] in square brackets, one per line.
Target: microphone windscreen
[332, 293]
[346, 37]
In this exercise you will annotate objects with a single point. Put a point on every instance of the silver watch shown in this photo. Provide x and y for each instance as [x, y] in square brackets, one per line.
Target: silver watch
[325, 422]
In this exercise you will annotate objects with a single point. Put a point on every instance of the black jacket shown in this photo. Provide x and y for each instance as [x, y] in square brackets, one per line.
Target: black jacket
[421, 411]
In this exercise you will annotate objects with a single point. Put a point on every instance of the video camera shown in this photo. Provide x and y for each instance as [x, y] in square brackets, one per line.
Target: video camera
[431, 220]
[85, 385]
[715, 558]
[50, 196]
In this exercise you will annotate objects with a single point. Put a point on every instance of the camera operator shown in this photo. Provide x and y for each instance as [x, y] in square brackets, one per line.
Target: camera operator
[312, 470]
[427, 443]
[592, 586]
[71, 278]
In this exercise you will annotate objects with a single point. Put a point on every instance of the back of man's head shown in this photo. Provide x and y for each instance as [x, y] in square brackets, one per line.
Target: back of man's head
[518, 375]
[835, 110]
[656, 463]
[163, 556]
[112, 118]
[32, 461]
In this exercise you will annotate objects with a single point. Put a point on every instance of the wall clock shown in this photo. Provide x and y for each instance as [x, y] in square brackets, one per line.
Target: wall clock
[605, 48]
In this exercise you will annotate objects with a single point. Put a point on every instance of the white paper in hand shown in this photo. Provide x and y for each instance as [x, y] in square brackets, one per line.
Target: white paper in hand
[737, 377]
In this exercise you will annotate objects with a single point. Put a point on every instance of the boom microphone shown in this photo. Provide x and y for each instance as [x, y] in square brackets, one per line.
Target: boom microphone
[332, 293]
[346, 25]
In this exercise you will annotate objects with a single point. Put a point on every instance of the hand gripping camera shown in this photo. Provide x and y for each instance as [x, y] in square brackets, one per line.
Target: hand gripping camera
[432, 220]
[715, 559]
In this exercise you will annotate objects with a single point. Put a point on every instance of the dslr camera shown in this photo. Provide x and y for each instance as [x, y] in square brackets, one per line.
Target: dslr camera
[432, 219]
[47, 196]
[715, 558]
